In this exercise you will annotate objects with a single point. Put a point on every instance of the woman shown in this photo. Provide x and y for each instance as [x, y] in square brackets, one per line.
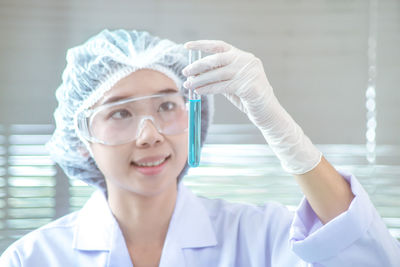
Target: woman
[122, 126]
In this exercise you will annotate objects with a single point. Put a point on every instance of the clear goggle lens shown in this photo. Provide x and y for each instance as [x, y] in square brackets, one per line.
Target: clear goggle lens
[122, 121]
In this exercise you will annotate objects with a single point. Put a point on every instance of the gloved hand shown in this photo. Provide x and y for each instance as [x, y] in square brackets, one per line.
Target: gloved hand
[240, 77]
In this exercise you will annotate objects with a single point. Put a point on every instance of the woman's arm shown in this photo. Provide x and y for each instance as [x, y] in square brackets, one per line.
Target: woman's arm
[327, 192]
[248, 89]
[359, 237]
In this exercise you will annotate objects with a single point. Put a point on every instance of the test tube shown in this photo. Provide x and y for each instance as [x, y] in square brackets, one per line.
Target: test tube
[194, 118]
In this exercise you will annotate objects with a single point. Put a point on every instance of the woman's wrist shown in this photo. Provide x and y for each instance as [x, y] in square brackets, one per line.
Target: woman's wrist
[294, 149]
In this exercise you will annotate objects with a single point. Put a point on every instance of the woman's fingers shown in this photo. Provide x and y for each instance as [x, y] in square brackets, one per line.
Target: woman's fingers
[212, 76]
[220, 87]
[208, 63]
[208, 46]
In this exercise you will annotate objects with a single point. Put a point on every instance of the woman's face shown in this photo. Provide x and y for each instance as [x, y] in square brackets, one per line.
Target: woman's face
[119, 163]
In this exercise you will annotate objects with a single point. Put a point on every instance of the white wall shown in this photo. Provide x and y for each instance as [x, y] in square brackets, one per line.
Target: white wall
[314, 53]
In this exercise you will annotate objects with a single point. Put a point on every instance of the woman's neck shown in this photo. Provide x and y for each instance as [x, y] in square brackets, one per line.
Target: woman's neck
[143, 220]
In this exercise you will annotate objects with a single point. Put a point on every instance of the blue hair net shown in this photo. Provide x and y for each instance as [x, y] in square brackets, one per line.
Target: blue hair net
[92, 69]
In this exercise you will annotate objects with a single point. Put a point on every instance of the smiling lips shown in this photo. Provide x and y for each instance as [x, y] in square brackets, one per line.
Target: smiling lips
[150, 161]
[151, 165]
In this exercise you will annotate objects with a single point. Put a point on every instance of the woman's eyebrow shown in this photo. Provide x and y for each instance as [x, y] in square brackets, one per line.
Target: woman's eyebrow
[113, 99]
[167, 90]
[120, 97]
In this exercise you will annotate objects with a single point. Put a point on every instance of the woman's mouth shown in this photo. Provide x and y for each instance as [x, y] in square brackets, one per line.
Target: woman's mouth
[151, 168]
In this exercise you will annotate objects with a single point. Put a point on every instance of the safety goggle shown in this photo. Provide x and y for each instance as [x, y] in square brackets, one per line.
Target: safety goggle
[122, 121]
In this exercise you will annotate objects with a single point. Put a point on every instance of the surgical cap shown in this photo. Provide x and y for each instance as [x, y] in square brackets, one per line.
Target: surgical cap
[92, 69]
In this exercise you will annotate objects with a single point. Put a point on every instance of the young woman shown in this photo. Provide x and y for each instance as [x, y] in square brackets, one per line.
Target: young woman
[122, 126]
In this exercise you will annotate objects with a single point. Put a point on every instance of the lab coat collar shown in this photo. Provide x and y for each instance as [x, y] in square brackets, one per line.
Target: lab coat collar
[190, 225]
[95, 224]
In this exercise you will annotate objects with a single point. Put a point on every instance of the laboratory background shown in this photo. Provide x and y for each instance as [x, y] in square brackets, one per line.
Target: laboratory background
[333, 64]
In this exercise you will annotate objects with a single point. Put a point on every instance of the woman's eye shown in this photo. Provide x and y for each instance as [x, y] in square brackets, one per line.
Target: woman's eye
[167, 106]
[120, 114]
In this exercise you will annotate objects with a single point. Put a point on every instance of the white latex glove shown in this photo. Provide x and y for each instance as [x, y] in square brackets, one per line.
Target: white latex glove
[240, 77]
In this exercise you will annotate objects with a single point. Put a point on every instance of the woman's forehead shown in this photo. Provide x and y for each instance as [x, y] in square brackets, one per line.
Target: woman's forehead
[139, 83]
[115, 98]
[145, 78]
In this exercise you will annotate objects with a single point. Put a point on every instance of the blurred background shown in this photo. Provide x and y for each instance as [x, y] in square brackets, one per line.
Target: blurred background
[334, 66]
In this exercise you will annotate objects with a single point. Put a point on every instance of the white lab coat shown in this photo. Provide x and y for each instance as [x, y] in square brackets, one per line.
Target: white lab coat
[205, 232]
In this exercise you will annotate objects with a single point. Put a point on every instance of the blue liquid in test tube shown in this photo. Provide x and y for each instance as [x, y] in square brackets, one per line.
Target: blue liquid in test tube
[194, 132]
[194, 119]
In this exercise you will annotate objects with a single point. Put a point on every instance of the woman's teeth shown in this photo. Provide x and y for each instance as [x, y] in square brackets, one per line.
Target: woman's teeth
[151, 164]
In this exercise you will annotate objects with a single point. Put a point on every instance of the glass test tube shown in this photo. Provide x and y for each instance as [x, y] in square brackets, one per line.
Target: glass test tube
[194, 119]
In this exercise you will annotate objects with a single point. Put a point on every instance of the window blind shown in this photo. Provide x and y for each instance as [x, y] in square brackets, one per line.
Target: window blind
[28, 181]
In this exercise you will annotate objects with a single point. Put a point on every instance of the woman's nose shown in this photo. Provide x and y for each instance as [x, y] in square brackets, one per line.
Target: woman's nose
[147, 133]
